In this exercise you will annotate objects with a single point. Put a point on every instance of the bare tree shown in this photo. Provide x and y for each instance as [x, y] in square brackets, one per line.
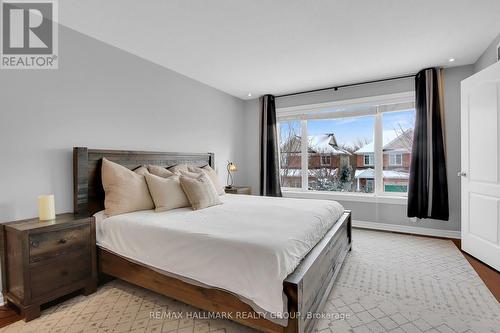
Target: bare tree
[289, 148]
[359, 143]
[404, 136]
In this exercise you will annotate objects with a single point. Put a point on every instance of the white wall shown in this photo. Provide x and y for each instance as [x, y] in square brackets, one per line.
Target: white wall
[393, 214]
[250, 171]
[101, 97]
[488, 57]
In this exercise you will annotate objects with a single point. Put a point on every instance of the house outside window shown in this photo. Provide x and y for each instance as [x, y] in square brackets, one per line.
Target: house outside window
[368, 159]
[395, 159]
[357, 148]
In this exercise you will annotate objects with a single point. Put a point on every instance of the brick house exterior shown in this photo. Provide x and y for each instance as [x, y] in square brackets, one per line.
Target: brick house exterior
[396, 164]
[324, 156]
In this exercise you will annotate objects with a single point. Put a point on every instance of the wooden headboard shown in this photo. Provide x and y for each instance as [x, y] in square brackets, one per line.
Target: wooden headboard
[88, 193]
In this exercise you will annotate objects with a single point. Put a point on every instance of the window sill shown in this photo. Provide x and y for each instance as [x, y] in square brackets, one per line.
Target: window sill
[354, 197]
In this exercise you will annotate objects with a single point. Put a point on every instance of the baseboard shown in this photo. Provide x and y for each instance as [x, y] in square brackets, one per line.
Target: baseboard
[406, 229]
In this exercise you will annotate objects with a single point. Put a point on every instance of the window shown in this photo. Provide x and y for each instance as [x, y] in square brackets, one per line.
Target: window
[397, 129]
[395, 159]
[368, 159]
[340, 138]
[348, 146]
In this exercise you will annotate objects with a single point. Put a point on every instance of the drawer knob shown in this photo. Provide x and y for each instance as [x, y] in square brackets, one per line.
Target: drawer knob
[62, 241]
[34, 244]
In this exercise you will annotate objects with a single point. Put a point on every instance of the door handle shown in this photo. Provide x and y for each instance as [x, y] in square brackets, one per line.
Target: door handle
[462, 174]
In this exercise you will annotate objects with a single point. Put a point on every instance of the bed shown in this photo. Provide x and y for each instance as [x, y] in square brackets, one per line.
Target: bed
[306, 257]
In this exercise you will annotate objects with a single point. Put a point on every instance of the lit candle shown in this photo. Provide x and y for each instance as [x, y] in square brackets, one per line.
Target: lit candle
[46, 208]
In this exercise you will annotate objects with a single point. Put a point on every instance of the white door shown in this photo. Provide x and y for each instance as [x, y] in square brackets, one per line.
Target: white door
[481, 165]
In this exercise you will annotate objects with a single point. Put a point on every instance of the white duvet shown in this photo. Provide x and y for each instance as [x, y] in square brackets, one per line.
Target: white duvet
[247, 246]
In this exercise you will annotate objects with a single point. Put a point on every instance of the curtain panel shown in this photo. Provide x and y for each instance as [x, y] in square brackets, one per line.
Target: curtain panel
[428, 185]
[269, 153]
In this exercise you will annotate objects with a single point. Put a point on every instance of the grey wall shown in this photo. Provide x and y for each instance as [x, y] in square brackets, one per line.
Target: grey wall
[488, 57]
[381, 212]
[101, 97]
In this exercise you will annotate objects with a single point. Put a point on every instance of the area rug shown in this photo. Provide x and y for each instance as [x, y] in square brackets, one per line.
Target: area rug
[390, 283]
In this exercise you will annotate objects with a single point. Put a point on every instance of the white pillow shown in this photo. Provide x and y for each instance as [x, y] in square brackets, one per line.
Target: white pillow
[167, 192]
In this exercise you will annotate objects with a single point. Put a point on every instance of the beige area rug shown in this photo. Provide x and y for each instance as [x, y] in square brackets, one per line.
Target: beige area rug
[390, 283]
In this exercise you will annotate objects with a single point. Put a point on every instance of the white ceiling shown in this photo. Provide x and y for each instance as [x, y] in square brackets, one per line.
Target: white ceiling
[280, 46]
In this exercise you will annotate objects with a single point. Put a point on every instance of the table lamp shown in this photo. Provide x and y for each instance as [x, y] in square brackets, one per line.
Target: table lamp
[231, 167]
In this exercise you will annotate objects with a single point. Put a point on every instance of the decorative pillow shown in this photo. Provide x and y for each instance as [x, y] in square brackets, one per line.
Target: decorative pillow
[200, 191]
[178, 168]
[192, 174]
[126, 191]
[167, 193]
[159, 171]
[212, 175]
[142, 170]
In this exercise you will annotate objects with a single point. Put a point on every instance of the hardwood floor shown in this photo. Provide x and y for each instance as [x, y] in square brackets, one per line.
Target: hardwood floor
[8, 315]
[490, 277]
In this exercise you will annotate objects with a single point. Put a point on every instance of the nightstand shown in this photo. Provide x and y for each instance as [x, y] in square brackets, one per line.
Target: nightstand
[44, 260]
[239, 190]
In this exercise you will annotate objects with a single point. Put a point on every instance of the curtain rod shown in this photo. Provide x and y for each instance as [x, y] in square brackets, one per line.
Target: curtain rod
[346, 85]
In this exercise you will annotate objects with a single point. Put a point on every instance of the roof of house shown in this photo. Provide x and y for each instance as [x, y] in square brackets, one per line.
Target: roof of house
[395, 142]
[322, 143]
[387, 174]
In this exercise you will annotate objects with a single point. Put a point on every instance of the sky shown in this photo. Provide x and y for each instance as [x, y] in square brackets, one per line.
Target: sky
[349, 130]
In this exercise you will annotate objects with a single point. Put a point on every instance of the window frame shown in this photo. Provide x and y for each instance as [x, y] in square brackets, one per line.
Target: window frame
[383, 103]
[329, 160]
[371, 159]
[394, 155]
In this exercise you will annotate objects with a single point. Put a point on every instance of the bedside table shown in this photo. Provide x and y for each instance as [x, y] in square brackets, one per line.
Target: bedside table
[239, 190]
[44, 260]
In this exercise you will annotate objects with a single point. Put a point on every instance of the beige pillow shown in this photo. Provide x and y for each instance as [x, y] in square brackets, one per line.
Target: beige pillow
[167, 193]
[200, 191]
[178, 168]
[192, 174]
[159, 171]
[142, 170]
[126, 191]
[212, 175]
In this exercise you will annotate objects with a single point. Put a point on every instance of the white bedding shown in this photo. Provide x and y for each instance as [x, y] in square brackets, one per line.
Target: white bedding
[247, 246]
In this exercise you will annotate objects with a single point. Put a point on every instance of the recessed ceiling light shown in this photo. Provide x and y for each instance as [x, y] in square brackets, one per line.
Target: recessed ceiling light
[249, 95]
[451, 59]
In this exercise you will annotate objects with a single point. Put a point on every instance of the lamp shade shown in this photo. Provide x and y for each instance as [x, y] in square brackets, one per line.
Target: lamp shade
[46, 207]
[232, 167]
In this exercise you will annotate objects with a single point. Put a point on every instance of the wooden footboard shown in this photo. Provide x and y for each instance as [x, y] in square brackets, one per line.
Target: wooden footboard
[309, 286]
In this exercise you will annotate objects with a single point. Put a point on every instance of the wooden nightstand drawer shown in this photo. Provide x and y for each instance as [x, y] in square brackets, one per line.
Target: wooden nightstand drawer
[48, 245]
[59, 273]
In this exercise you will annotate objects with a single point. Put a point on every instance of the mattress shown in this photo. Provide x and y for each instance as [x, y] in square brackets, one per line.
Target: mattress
[246, 246]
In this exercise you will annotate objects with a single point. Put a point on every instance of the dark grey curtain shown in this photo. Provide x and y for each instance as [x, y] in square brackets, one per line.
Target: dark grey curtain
[269, 159]
[428, 186]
